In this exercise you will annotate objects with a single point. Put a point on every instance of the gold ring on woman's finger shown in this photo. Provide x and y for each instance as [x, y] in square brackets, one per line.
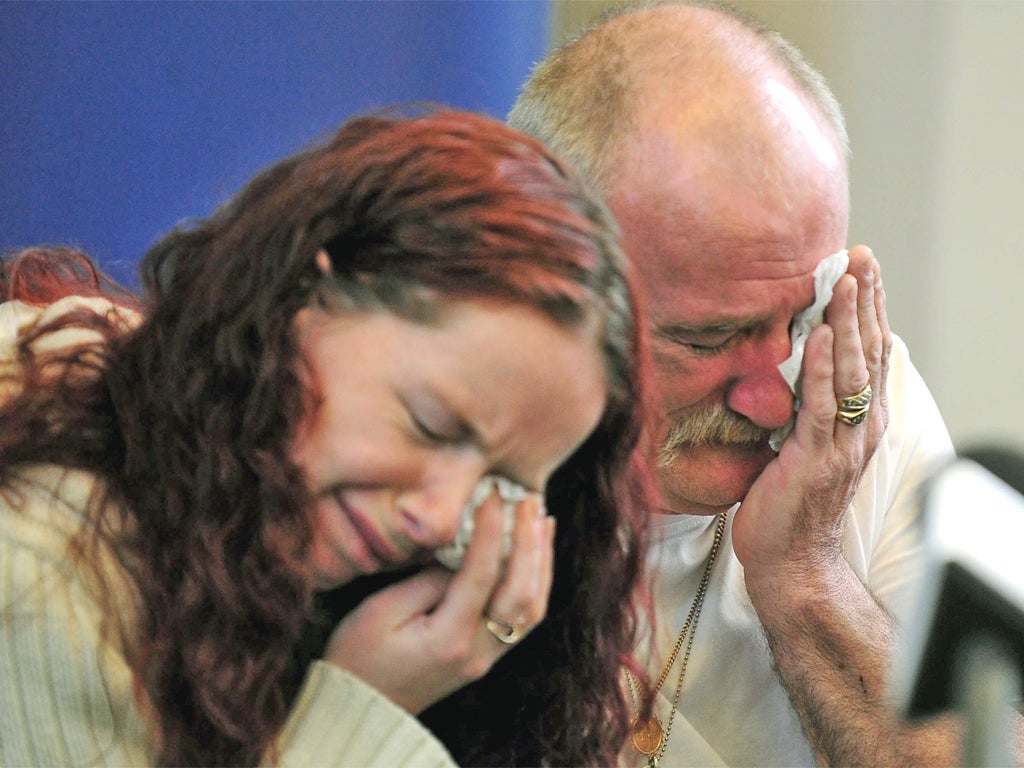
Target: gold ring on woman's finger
[503, 632]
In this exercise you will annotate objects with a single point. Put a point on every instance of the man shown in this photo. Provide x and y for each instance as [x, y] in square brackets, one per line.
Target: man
[723, 155]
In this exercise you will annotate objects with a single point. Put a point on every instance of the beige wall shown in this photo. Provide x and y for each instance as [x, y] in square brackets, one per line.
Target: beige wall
[934, 97]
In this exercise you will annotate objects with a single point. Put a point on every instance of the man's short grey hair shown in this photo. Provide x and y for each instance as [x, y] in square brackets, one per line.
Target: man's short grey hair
[581, 99]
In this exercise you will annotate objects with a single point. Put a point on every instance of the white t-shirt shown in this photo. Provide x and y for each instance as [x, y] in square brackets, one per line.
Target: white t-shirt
[732, 709]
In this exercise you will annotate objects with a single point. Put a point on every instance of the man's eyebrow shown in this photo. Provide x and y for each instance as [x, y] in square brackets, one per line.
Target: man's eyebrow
[676, 329]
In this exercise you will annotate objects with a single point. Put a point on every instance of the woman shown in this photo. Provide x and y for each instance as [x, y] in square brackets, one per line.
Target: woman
[324, 370]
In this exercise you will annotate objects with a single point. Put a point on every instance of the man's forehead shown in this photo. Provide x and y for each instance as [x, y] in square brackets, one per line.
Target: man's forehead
[724, 274]
[723, 300]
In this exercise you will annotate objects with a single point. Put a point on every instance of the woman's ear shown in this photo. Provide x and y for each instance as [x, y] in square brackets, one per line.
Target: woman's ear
[301, 324]
[323, 263]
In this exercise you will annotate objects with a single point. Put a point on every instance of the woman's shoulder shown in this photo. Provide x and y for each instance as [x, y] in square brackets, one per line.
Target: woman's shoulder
[42, 507]
[16, 315]
[78, 321]
[64, 670]
[52, 541]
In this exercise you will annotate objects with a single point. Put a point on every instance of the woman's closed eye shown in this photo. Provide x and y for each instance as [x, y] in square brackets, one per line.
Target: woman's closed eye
[435, 422]
[438, 435]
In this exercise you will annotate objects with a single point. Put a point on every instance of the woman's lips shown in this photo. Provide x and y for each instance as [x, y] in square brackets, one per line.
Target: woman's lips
[376, 543]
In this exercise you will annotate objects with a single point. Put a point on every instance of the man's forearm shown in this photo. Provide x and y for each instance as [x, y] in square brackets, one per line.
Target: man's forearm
[832, 644]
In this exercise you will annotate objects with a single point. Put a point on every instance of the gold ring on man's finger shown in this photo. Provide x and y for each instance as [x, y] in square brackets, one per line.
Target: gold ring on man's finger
[853, 410]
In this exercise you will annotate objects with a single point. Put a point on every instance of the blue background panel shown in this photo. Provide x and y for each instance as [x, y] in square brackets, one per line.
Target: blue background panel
[121, 119]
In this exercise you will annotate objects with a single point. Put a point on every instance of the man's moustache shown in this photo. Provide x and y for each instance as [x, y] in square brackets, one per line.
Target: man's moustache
[716, 425]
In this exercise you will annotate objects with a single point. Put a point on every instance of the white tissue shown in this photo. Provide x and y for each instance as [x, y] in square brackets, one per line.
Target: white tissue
[511, 494]
[826, 275]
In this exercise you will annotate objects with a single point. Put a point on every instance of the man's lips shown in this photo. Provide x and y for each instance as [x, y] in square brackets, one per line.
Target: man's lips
[377, 543]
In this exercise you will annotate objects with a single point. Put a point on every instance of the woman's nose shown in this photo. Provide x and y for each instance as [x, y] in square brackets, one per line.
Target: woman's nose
[432, 512]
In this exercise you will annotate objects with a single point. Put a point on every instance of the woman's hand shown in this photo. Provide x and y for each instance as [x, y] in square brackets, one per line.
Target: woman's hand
[423, 638]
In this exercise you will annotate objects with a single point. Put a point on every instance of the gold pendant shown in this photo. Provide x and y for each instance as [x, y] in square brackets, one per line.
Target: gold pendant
[647, 737]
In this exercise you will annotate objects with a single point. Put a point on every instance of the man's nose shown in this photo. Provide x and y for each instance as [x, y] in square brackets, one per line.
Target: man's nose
[758, 390]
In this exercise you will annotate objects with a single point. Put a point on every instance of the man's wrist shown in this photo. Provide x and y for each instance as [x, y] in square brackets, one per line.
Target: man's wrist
[797, 584]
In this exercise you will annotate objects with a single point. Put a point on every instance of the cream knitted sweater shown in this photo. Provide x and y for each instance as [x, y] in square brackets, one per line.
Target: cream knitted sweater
[66, 692]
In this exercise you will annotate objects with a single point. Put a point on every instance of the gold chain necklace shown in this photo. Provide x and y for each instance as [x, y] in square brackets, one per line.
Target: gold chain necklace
[648, 737]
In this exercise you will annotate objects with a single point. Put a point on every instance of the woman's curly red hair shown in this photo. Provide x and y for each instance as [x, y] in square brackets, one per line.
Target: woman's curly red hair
[189, 418]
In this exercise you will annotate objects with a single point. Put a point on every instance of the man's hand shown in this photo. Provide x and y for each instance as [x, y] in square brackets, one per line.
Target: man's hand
[790, 523]
[831, 640]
